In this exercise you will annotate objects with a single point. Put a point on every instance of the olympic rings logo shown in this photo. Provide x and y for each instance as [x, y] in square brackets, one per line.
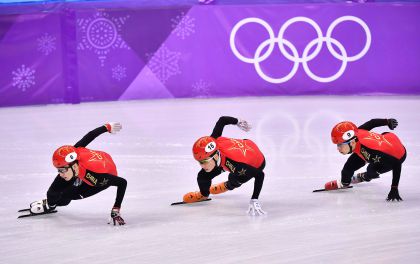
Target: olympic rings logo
[294, 57]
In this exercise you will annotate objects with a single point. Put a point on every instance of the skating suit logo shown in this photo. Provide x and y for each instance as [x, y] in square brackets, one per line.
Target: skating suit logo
[230, 166]
[97, 157]
[377, 138]
[91, 179]
[377, 159]
[242, 172]
[365, 153]
[104, 182]
[306, 57]
[240, 145]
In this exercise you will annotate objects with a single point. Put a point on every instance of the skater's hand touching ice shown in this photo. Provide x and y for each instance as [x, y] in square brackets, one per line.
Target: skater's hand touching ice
[254, 208]
[394, 195]
[116, 217]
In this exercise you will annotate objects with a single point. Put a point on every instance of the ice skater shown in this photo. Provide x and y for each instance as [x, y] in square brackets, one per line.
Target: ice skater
[383, 152]
[240, 157]
[82, 173]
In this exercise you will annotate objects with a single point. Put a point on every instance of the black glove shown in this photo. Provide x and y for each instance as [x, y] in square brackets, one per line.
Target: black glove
[116, 217]
[392, 123]
[232, 184]
[394, 195]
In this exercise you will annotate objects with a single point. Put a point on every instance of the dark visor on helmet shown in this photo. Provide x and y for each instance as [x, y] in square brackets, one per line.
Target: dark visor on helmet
[63, 169]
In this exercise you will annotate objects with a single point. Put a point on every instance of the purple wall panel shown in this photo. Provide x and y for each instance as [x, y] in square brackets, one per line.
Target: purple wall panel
[31, 60]
[94, 54]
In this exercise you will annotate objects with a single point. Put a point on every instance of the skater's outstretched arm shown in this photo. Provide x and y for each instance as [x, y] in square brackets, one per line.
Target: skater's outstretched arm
[221, 123]
[378, 122]
[89, 137]
[228, 120]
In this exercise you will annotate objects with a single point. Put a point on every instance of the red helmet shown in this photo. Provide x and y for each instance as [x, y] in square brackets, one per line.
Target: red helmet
[64, 156]
[204, 148]
[343, 132]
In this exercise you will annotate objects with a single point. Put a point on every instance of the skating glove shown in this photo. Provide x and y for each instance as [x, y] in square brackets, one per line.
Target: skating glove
[394, 195]
[392, 123]
[244, 125]
[254, 208]
[113, 127]
[116, 217]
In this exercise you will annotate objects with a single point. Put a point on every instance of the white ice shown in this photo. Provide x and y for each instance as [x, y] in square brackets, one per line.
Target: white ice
[153, 152]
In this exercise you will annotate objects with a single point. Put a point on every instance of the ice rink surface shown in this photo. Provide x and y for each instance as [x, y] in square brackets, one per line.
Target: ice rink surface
[153, 152]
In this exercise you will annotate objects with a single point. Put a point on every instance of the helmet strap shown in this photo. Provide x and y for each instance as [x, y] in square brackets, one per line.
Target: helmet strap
[218, 161]
[71, 167]
[351, 148]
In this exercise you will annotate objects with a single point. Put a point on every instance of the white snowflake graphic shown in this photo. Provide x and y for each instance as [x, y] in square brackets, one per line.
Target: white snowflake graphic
[183, 25]
[23, 78]
[119, 72]
[201, 89]
[46, 44]
[164, 63]
[101, 33]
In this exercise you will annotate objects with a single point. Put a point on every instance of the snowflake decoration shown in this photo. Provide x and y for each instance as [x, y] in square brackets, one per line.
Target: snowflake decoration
[183, 25]
[119, 72]
[23, 78]
[46, 44]
[201, 89]
[164, 63]
[101, 33]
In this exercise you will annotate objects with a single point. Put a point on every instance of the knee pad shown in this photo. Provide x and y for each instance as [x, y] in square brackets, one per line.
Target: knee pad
[369, 175]
[230, 185]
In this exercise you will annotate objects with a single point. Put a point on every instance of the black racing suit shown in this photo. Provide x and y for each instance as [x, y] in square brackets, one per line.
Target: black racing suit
[61, 192]
[382, 164]
[242, 172]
